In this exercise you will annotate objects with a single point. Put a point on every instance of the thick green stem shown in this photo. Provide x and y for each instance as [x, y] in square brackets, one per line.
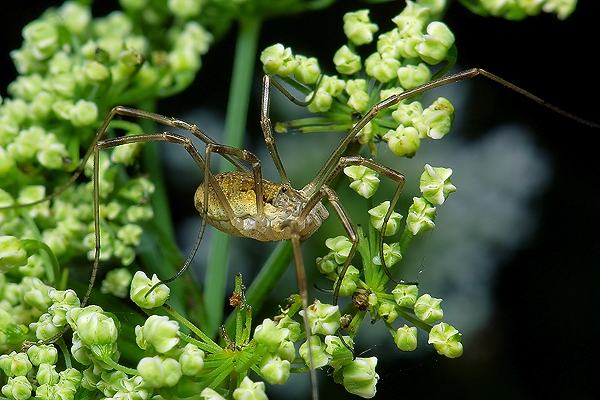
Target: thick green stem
[235, 124]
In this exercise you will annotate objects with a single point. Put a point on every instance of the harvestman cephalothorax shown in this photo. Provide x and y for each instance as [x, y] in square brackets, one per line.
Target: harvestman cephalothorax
[242, 203]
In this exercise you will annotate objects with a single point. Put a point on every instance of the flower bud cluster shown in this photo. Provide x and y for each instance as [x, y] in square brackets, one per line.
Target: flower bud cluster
[402, 61]
[518, 10]
[73, 68]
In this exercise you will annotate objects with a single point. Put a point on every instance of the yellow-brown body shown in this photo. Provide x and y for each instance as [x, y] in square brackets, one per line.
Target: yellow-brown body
[282, 206]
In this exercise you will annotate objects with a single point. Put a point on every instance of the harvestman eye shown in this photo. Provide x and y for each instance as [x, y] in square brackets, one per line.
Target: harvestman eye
[222, 203]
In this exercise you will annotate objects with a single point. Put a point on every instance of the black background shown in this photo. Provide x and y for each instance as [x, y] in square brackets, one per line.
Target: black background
[543, 340]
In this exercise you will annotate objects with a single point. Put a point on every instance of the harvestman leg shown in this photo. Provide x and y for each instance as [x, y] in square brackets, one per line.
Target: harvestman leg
[265, 120]
[163, 137]
[342, 163]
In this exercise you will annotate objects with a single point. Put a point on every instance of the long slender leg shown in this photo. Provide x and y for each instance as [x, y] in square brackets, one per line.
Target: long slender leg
[349, 227]
[358, 160]
[101, 133]
[393, 100]
[301, 278]
[265, 120]
[164, 137]
[225, 150]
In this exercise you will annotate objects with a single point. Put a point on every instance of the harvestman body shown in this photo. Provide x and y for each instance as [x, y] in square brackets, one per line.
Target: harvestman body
[241, 203]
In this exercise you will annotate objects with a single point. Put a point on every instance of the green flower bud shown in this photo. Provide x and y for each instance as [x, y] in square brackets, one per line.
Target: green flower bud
[287, 351]
[340, 246]
[360, 378]
[333, 85]
[391, 255]
[139, 213]
[435, 184]
[350, 281]
[7, 163]
[292, 326]
[404, 141]
[47, 374]
[70, 377]
[117, 282]
[95, 71]
[438, 118]
[12, 253]
[323, 319]
[346, 61]
[355, 85]
[52, 153]
[562, 8]
[62, 109]
[184, 59]
[275, 370]
[420, 216]
[210, 394]
[411, 76]
[388, 44]
[278, 60]
[89, 379]
[42, 354]
[446, 340]
[75, 17]
[140, 287]
[428, 309]
[60, 63]
[405, 295]
[308, 70]
[96, 330]
[83, 113]
[359, 101]
[321, 101]
[63, 301]
[434, 48]
[378, 215]
[159, 372]
[185, 8]
[412, 19]
[319, 357]
[380, 68]
[358, 28]
[15, 364]
[41, 105]
[130, 234]
[137, 190]
[158, 332]
[326, 265]
[388, 312]
[17, 388]
[366, 134]
[35, 293]
[406, 338]
[41, 39]
[191, 360]
[270, 334]
[340, 354]
[26, 144]
[365, 181]
[249, 390]
[26, 87]
[44, 328]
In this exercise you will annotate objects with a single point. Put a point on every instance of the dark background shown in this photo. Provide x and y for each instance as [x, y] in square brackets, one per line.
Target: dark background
[542, 340]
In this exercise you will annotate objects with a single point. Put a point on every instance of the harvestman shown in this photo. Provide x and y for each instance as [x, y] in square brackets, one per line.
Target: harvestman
[242, 203]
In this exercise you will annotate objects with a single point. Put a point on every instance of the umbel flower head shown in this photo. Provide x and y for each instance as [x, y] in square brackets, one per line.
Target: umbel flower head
[402, 60]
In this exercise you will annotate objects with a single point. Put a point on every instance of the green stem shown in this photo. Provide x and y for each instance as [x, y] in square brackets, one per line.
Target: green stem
[52, 273]
[181, 319]
[267, 278]
[63, 347]
[237, 111]
[114, 365]
[239, 317]
[413, 320]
